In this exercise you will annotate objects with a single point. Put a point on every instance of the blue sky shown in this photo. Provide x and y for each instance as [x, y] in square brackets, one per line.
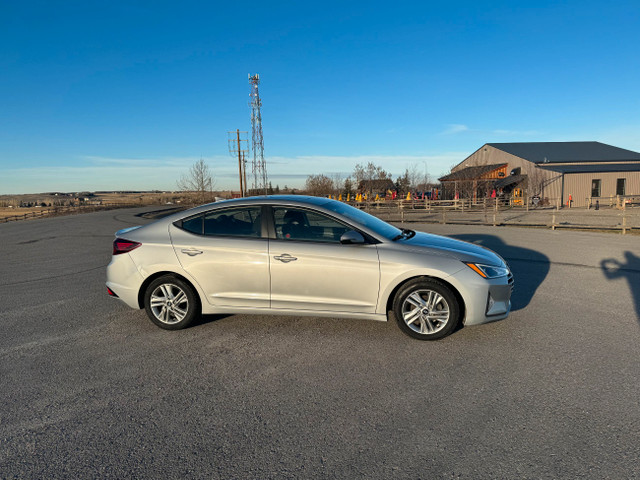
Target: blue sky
[127, 95]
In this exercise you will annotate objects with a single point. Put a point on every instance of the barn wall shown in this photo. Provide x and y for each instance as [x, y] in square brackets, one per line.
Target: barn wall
[578, 185]
[543, 182]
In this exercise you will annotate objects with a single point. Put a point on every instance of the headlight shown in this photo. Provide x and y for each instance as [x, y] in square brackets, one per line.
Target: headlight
[488, 271]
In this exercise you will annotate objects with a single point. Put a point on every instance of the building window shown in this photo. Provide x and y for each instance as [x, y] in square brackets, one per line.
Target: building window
[620, 186]
[595, 187]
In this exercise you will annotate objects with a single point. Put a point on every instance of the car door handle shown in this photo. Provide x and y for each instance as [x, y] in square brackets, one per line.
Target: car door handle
[191, 251]
[285, 258]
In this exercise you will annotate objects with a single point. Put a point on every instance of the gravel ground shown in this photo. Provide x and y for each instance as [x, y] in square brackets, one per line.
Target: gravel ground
[93, 389]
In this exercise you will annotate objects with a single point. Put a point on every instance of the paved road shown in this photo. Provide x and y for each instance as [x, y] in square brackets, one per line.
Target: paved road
[92, 389]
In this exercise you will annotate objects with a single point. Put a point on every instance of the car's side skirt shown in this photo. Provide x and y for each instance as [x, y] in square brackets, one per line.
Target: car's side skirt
[210, 309]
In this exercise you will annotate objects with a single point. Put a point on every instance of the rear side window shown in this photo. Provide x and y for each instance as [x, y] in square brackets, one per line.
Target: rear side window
[235, 222]
[193, 224]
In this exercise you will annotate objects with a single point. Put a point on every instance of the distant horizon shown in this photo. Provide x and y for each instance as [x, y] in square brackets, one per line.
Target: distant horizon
[123, 96]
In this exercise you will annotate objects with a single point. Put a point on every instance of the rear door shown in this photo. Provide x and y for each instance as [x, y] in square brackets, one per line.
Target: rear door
[225, 252]
[312, 270]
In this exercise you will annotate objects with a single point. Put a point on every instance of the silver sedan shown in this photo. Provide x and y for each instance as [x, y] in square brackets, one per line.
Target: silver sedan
[295, 255]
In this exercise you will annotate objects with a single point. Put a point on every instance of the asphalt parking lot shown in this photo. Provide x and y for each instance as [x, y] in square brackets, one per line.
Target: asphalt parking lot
[92, 389]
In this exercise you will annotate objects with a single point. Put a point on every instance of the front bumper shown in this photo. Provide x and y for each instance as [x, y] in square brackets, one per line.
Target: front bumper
[485, 300]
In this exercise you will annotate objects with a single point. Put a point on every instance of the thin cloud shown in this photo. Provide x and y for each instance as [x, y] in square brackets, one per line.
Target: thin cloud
[454, 128]
[106, 173]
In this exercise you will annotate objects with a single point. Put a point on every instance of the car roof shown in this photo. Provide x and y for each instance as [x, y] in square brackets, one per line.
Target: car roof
[297, 200]
[277, 199]
[318, 203]
[266, 200]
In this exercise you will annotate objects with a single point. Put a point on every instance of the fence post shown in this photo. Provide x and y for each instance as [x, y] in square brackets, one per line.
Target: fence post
[444, 216]
[553, 221]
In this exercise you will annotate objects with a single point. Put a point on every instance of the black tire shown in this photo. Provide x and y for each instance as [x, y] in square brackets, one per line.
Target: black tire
[175, 304]
[424, 315]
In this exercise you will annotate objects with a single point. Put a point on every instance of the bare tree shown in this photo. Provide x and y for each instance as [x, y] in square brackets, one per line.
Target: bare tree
[199, 180]
[536, 181]
[365, 175]
[319, 185]
[419, 179]
[338, 182]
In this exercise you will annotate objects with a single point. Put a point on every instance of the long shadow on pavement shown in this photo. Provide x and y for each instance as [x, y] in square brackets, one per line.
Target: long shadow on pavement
[529, 267]
[614, 269]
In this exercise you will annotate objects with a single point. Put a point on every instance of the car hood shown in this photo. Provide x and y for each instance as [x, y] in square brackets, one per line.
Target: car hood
[439, 245]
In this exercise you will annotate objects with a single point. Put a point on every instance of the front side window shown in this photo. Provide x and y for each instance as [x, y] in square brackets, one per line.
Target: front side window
[299, 224]
[374, 223]
[621, 186]
[235, 222]
[595, 187]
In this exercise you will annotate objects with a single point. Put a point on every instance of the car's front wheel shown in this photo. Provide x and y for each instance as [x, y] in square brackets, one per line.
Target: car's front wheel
[171, 303]
[426, 309]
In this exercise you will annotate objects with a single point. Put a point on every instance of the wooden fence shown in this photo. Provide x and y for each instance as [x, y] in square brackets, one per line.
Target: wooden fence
[66, 210]
[498, 213]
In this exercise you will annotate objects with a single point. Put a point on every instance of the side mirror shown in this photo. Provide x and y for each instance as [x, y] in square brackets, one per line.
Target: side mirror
[351, 238]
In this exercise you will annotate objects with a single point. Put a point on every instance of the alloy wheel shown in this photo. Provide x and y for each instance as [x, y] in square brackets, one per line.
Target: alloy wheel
[425, 311]
[169, 303]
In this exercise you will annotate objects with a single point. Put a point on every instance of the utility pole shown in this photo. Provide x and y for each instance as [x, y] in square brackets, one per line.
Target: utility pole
[236, 148]
[244, 172]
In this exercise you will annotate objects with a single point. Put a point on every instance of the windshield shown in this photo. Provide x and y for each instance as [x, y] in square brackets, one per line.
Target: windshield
[372, 223]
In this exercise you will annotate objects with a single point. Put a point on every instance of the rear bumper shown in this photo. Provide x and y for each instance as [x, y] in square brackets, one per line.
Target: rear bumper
[124, 279]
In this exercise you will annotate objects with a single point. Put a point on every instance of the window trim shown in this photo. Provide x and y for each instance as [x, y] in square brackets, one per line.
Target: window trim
[263, 226]
[624, 186]
[599, 180]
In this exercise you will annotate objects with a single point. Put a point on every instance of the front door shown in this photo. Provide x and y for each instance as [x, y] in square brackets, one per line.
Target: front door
[312, 270]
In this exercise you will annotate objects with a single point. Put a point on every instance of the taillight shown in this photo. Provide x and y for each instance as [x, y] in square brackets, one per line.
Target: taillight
[120, 245]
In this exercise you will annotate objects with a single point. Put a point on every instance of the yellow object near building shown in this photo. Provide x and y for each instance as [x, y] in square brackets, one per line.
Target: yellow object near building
[517, 196]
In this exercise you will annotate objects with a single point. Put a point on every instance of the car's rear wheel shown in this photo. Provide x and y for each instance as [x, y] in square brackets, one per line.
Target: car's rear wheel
[426, 309]
[171, 303]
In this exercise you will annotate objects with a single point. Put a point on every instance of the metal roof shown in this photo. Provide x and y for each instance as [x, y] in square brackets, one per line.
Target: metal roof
[608, 167]
[561, 152]
[510, 180]
[471, 173]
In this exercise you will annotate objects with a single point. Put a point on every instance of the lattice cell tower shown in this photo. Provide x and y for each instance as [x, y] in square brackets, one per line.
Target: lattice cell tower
[258, 166]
